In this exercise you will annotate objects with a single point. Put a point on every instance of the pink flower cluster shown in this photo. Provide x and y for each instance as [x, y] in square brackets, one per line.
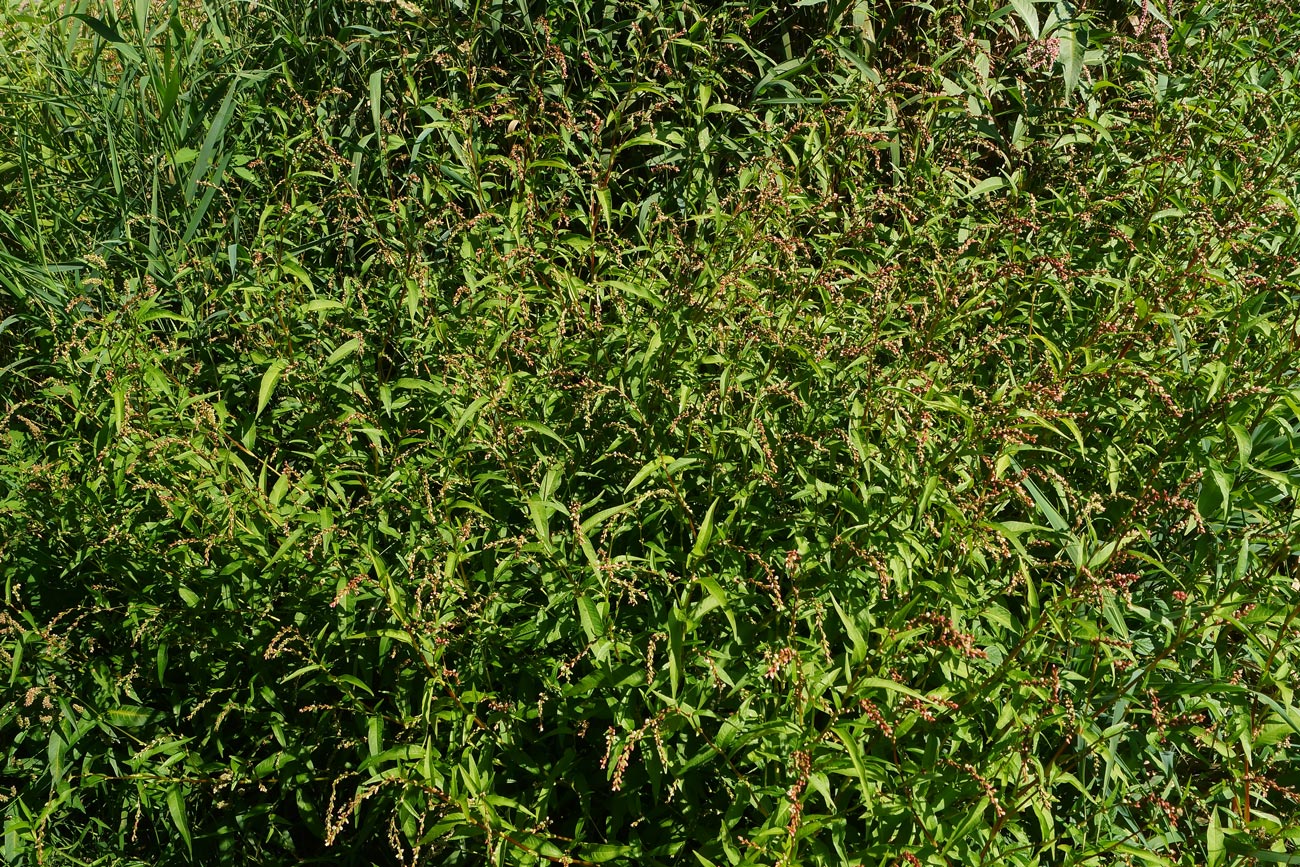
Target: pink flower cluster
[1043, 53]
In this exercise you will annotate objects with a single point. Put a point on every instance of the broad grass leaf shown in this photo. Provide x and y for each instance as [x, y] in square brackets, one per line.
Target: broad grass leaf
[376, 90]
[109, 33]
[216, 131]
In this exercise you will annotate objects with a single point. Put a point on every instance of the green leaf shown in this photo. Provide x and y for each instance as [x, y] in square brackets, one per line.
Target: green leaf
[1074, 41]
[1216, 854]
[358, 682]
[345, 349]
[216, 131]
[851, 629]
[1244, 444]
[540, 511]
[541, 429]
[604, 515]
[110, 34]
[270, 377]
[470, 413]
[893, 686]
[676, 649]
[644, 473]
[1289, 714]
[55, 750]
[704, 535]
[602, 852]
[128, 716]
[1025, 9]
[988, 185]
[376, 88]
[176, 808]
[1042, 502]
[718, 599]
[592, 622]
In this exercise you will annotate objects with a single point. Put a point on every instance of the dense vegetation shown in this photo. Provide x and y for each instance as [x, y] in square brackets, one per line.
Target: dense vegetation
[743, 433]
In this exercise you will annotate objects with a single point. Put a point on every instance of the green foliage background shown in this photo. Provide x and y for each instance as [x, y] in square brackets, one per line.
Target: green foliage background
[738, 433]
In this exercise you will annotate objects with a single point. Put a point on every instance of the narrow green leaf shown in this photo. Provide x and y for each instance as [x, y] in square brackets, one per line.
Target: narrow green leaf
[270, 378]
[176, 808]
[851, 629]
[216, 130]
[110, 34]
[209, 193]
[719, 599]
[1289, 714]
[358, 682]
[1244, 443]
[676, 649]
[376, 88]
[348, 347]
[589, 613]
[604, 515]
[128, 716]
[644, 473]
[470, 413]
[705, 533]
[55, 750]
[541, 429]
[1042, 502]
[1216, 854]
[988, 185]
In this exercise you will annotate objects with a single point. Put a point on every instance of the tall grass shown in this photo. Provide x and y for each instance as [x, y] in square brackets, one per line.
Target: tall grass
[738, 433]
